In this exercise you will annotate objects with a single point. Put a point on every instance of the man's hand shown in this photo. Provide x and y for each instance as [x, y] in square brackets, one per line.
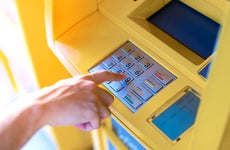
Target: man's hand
[78, 101]
[75, 101]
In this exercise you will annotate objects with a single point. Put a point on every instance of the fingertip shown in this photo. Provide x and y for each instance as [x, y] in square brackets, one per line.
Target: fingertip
[104, 75]
[117, 76]
[123, 75]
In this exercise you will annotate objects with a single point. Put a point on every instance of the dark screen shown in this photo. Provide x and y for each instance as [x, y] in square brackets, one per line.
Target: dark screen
[189, 27]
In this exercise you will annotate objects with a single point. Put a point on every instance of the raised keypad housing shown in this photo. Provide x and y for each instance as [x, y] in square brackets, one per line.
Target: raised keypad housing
[144, 76]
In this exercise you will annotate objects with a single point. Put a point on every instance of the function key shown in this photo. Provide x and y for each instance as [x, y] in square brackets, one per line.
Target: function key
[142, 92]
[127, 63]
[137, 56]
[132, 100]
[146, 63]
[162, 75]
[152, 84]
[118, 56]
[109, 63]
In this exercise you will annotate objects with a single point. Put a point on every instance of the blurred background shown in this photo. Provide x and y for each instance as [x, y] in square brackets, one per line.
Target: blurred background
[16, 71]
[27, 64]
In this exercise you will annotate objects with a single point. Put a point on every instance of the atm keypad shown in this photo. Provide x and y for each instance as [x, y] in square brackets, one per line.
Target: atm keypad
[144, 76]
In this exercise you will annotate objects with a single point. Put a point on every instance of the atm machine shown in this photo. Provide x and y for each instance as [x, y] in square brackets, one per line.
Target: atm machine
[166, 48]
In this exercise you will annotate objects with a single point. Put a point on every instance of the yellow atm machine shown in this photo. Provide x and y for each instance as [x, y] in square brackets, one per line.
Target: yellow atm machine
[170, 99]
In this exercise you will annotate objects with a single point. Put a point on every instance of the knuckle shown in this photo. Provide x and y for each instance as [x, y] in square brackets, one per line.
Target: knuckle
[91, 85]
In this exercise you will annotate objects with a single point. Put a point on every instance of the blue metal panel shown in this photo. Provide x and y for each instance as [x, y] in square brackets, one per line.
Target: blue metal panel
[126, 138]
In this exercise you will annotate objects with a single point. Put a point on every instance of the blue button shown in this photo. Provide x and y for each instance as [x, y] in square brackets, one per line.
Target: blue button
[117, 69]
[109, 63]
[97, 68]
[116, 86]
[127, 63]
[118, 56]
[146, 63]
[136, 71]
[127, 48]
[137, 56]
[128, 79]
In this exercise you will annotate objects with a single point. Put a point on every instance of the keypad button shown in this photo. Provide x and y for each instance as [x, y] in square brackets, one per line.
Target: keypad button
[118, 56]
[163, 76]
[97, 68]
[116, 86]
[117, 69]
[109, 63]
[144, 76]
[127, 48]
[127, 63]
[136, 71]
[146, 63]
[152, 84]
[142, 92]
[136, 56]
[132, 100]
[128, 79]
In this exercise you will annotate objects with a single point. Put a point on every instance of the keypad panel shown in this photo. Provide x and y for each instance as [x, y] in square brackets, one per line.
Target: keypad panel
[144, 76]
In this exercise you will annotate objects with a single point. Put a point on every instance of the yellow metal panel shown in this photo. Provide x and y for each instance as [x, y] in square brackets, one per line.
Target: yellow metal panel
[61, 16]
[70, 138]
[85, 43]
[67, 13]
[213, 118]
[91, 39]
[215, 9]
[224, 145]
[47, 67]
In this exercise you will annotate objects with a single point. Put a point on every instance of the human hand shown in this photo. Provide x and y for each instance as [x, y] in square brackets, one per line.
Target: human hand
[78, 101]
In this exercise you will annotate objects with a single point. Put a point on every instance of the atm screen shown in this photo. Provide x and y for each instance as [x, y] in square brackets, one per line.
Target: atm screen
[189, 27]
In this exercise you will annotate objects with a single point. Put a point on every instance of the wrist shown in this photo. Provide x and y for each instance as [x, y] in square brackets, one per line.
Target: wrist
[33, 113]
[38, 111]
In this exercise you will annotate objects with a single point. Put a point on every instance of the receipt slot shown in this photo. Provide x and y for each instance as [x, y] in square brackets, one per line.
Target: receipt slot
[166, 48]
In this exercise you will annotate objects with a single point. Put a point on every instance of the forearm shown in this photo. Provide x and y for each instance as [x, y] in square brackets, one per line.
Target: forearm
[75, 101]
[19, 125]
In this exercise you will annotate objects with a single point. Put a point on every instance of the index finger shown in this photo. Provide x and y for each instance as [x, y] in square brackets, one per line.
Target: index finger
[104, 75]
